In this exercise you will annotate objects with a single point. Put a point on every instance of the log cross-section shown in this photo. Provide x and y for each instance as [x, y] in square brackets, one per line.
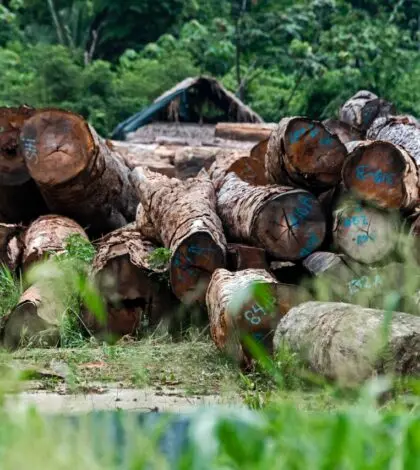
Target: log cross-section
[183, 213]
[288, 223]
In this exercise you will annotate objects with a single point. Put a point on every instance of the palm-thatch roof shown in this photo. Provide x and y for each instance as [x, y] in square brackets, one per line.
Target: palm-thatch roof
[194, 100]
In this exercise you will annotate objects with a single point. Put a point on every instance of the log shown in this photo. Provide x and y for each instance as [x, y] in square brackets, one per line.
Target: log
[235, 309]
[382, 173]
[287, 272]
[77, 173]
[183, 213]
[363, 108]
[48, 235]
[145, 226]
[365, 234]
[135, 292]
[244, 131]
[240, 257]
[259, 150]
[399, 130]
[343, 341]
[288, 223]
[11, 245]
[190, 160]
[35, 321]
[303, 153]
[345, 132]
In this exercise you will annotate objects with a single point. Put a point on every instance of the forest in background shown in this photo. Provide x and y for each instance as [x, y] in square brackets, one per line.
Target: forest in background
[107, 59]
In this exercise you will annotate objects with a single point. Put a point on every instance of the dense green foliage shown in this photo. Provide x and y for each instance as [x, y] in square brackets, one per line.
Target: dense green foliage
[107, 59]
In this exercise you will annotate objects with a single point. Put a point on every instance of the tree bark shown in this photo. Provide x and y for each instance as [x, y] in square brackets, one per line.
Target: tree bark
[365, 234]
[288, 223]
[190, 161]
[48, 235]
[183, 213]
[259, 150]
[135, 291]
[382, 173]
[399, 130]
[244, 131]
[363, 108]
[77, 173]
[344, 342]
[303, 153]
[34, 322]
[11, 245]
[240, 257]
[235, 309]
[345, 132]
[145, 226]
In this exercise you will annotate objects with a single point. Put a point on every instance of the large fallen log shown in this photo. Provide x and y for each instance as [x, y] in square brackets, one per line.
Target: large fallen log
[345, 342]
[365, 234]
[20, 199]
[136, 292]
[382, 173]
[399, 130]
[35, 321]
[77, 173]
[244, 131]
[183, 213]
[303, 153]
[246, 303]
[288, 223]
[46, 236]
[363, 108]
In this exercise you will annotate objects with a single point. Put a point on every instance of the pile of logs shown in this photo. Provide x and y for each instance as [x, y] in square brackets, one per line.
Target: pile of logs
[244, 227]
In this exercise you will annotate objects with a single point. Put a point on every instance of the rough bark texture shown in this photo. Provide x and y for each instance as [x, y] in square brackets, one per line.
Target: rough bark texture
[11, 245]
[259, 150]
[382, 173]
[190, 160]
[240, 257]
[76, 171]
[234, 309]
[288, 223]
[366, 235]
[145, 226]
[248, 169]
[345, 132]
[399, 130]
[135, 290]
[363, 108]
[343, 341]
[47, 235]
[244, 131]
[34, 321]
[303, 153]
[183, 213]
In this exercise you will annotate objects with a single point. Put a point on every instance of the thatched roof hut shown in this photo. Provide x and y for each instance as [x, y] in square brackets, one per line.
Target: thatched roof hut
[194, 100]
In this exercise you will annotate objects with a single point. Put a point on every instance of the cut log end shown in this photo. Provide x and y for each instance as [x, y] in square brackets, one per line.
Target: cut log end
[249, 170]
[192, 264]
[383, 174]
[65, 148]
[292, 225]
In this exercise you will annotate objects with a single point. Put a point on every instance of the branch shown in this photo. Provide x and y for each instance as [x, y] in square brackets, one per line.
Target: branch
[56, 21]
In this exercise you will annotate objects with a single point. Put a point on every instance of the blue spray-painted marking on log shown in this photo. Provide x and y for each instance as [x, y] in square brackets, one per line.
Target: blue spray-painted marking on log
[355, 220]
[296, 135]
[377, 176]
[199, 250]
[326, 140]
[311, 244]
[301, 213]
[364, 238]
[363, 283]
[254, 314]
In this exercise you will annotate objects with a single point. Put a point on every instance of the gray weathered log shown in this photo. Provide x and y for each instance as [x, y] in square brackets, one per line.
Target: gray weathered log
[344, 342]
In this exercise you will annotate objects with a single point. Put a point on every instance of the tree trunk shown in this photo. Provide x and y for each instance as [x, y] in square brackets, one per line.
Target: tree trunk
[79, 176]
[20, 199]
[288, 223]
[236, 308]
[365, 234]
[303, 153]
[344, 342]
[135, 291]
[363, 108]
[34, 322]
[399, 130]
[246, 168]
[189, 161]
[345, 132]
[244, 130]
[48, 235]
[240, 257]
[382, 173]
[11, 245]
[183, 213]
